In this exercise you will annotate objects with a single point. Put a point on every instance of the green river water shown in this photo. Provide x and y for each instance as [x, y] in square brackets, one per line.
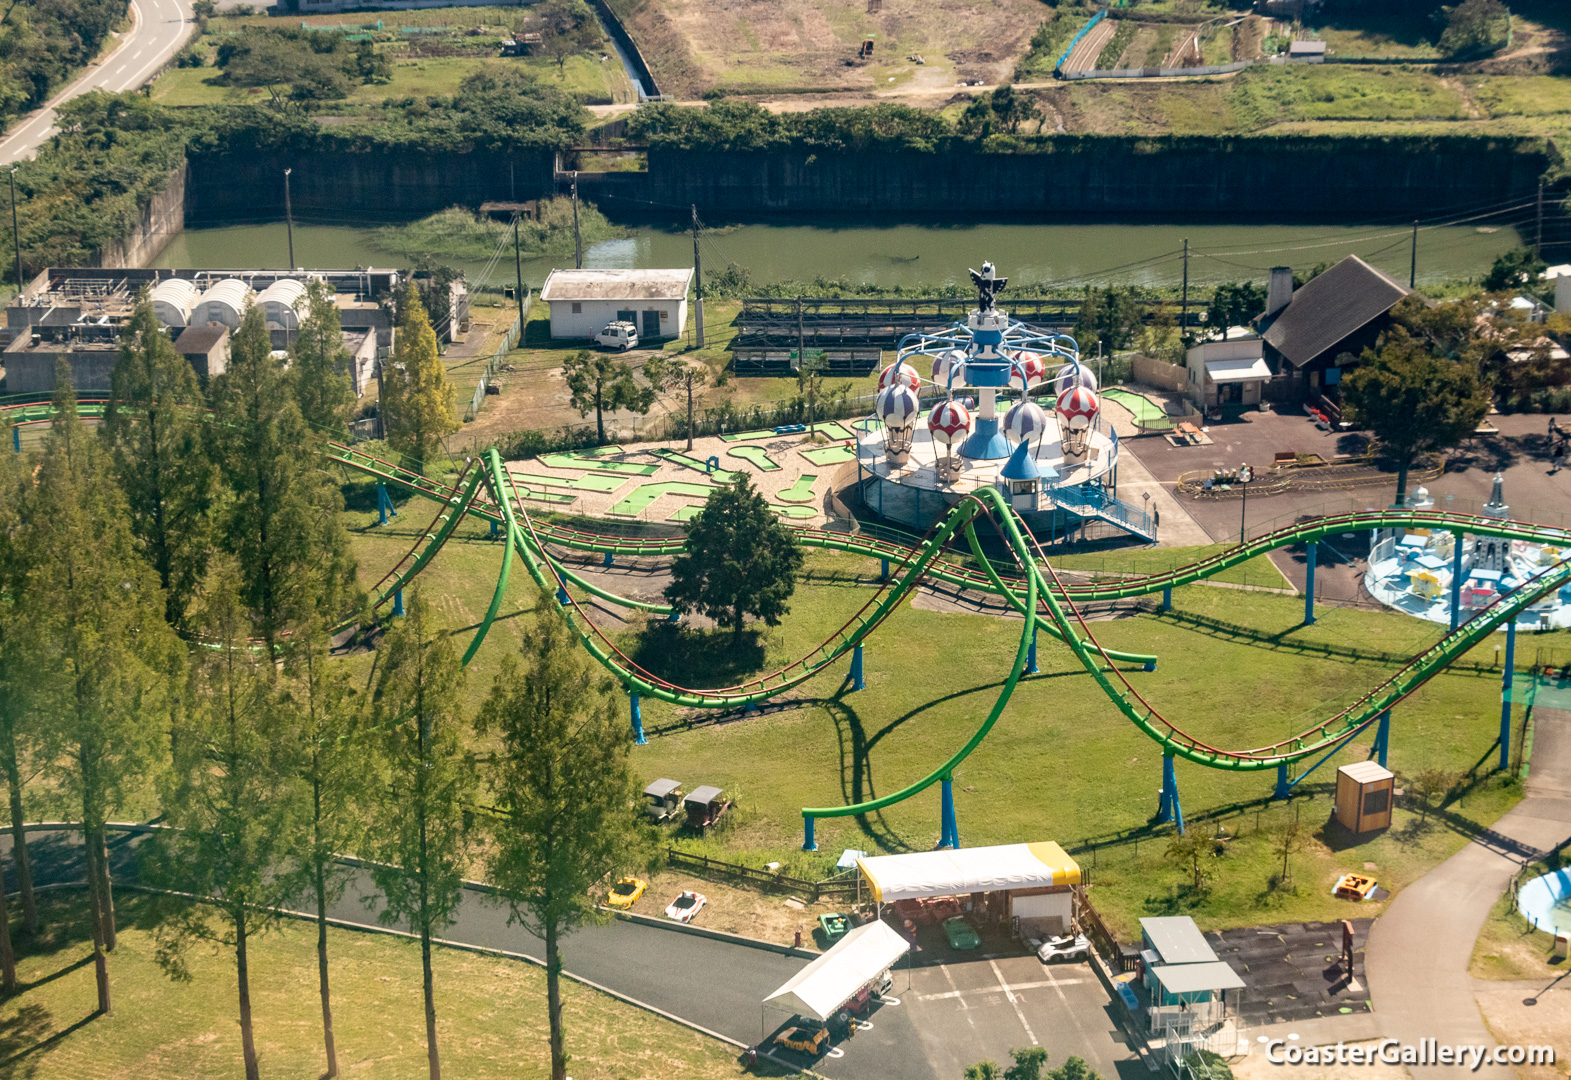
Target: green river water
[913, 255]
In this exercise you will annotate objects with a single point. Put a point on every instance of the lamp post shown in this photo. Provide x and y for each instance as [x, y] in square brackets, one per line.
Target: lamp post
[1245, 474]
[16, 236]
[289, 219]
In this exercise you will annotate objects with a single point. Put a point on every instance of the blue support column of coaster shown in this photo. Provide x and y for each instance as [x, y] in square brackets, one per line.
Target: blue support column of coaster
[1031, 668]
[16, 439]
[948, 828]
[857, 682]
[384, 505]
[562, 597]
[609, 560]
[1505, 696]
[1309, 584]
[675, 616]
[1168, 809]
[809, 842]
[638, 718]
[1382, 739]
[494, 524]
[883, 569]
[1283, 788]
[398, 602]
[1167, 598]
[1456, 582]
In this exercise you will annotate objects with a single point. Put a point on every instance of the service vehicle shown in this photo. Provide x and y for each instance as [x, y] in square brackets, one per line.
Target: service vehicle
[618, 335]
[1067, 948]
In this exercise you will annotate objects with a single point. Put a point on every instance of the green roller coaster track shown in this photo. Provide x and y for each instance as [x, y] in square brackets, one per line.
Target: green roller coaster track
[1026, 581]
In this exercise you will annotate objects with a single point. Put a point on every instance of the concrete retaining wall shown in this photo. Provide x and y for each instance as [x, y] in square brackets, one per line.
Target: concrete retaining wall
[162, 219]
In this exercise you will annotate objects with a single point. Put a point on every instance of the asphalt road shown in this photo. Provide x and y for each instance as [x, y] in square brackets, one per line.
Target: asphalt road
[159, 29]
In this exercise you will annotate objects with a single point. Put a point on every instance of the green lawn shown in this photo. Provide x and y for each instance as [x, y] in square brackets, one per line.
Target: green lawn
[490, 1011]
[1508, 947]
[1155, 560]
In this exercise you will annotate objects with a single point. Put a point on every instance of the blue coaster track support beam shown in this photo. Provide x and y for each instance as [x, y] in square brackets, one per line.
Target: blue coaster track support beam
[637, 718]
[1167, 598]
[948, 828]
[385, 508]
[1505, 696]
[809, 841]
[857, 682]
[1168, 809]
[1456, 582]
[1031, 668]
[398, 602]
[1309, 583]
[1382, 745]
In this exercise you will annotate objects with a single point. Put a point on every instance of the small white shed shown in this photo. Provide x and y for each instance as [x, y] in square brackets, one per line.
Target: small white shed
[584, 301]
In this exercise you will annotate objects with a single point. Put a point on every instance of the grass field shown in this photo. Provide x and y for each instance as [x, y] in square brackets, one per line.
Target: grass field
[1236, 669]
[1508, 947]
[490, 1011]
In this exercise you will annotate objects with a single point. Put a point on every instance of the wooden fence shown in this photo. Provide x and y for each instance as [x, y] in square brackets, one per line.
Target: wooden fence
[766, 879]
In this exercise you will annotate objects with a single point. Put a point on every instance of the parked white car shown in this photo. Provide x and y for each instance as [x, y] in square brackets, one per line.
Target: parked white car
[686, 905]
[1069, 948]
[618, 335]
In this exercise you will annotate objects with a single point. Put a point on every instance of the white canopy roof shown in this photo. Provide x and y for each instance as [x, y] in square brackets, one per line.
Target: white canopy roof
[1192, 978]
[819, 989]
[1241, 370]
[968, 870]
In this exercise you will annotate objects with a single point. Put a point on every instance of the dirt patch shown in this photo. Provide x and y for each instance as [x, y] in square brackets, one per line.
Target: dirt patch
[1547, 1021]
[734, 910]
[1249, 38]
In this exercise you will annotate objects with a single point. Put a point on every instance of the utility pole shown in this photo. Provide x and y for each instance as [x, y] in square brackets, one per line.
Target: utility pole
[1538, 234]
[518, 277]
[289, 219]
[16, 236]
[578, 239]
[698, 279]
[1183, 316]
[1412, 267]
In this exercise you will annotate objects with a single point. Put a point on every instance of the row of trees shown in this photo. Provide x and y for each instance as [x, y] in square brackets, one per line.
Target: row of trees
[169, 588]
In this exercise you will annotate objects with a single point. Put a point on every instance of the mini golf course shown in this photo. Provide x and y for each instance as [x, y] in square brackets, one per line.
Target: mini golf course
[799, 492]
[829, 455]
[645, 494]
[1146, 411]
[754, 456]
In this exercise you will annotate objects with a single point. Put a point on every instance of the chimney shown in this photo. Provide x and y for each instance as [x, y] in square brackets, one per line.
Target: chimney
[1280, 291]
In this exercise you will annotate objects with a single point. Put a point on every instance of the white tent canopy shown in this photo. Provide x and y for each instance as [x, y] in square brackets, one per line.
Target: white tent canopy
[819, 989]
[968, 870]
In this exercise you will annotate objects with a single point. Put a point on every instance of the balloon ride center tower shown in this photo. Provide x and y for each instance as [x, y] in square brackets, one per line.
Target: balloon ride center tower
[959, 410]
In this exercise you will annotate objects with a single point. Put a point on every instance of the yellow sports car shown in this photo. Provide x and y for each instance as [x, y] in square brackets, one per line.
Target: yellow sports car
[625, 893]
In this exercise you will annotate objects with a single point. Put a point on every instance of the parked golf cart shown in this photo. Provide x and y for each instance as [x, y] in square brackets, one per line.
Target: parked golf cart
[663, 799]
[704, 806]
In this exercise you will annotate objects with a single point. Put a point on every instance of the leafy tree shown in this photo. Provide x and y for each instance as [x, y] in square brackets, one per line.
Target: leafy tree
[1234, 303]
[809, 387]
[154, 428]
[1474, 26]
[1031, 1064]
[740, 560]
[19, 660]
[983, 1070]
[419, 835]
[234, 800]
[335, 772]
[1413, 400]
[1289, 841]
[1111, 316]
[600, 384]
[318, 364]
[418, 398]
[682, 380]
[109, 656]
[280, 518]
[1515, 269]
[568, 816]
[567, 27]
[1191, 850]
[1430, 787]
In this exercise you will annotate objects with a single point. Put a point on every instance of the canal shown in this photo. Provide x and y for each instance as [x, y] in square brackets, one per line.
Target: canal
[915, 255]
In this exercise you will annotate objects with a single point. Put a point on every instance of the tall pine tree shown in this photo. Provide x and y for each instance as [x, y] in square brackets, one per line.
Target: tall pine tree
[417, 398]
[110, 658]
[318, 365]
[18, 657]
[280, 519]
[419, 838]
[567, 813]
[153, 425]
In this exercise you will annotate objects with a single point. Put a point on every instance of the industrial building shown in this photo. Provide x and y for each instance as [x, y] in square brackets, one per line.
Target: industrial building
[584, 301]
[77, 312]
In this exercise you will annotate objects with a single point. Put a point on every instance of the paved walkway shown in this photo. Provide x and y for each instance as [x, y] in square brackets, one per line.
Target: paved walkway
[1178, 528]
[1418, 952]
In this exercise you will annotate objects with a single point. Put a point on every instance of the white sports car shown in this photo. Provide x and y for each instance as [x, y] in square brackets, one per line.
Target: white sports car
[685, 906]
[1070, 947]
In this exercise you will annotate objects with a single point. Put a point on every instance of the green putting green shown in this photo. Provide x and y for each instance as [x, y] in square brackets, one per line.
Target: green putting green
[756, 456]
[792, 511]
[589, 462]
[644, 494]
[685, 513]
[578, 483]
[543, 496]
[1144, 408]
[799, 492]
[835, 430]
[829, 455]
[678, 458]
[743, 436]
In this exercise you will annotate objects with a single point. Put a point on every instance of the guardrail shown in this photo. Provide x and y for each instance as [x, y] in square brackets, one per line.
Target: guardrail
[509, 340]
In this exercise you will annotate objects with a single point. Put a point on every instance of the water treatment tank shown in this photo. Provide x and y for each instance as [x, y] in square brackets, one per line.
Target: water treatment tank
[223, 303]
[283, 303]
[173, 299]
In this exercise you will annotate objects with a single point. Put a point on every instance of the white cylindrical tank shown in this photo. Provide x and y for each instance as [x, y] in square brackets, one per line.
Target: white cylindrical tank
[173, 299]
[283, 303]
[223, 303]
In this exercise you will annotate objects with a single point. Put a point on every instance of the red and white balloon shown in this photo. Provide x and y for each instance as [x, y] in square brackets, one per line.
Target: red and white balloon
[1025, 420]
[1078, 405]
[949, 421]
[897, 406]
[899, 374]
[1031, 365]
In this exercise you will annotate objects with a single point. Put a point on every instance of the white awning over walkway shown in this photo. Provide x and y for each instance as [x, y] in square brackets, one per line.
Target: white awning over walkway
[819, 989]
[1241, 370]
[968, 870]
